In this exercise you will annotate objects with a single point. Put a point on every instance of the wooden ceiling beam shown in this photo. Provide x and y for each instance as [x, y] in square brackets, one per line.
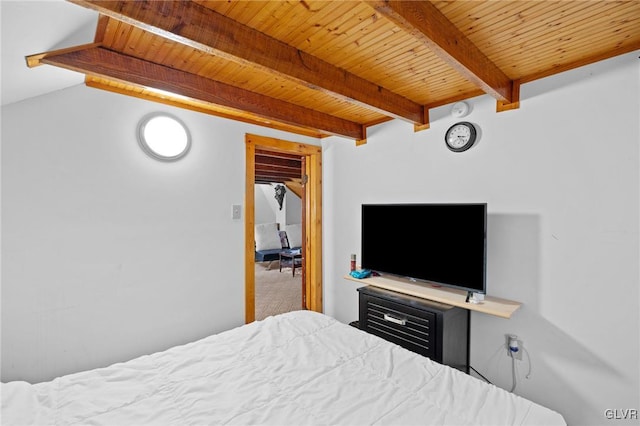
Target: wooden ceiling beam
[203, 29]
[36, 60]
[267, 180]
[279, 162]
[111, 65]
[270, 178]
[425, 22]
[271, 166]
[295, 186]
[263, 171]
[277, 154]
[203, 107]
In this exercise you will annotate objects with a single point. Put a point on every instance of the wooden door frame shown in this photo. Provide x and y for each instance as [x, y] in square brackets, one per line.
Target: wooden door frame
[312, 246]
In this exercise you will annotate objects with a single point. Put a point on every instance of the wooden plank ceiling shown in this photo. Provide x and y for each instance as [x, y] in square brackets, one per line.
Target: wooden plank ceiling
[323, 68]
[273, 167]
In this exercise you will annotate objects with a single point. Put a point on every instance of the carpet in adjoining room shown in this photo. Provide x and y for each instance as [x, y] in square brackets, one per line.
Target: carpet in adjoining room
[276, 292]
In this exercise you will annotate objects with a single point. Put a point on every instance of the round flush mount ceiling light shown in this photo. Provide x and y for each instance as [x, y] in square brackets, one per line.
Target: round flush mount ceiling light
[164, 137]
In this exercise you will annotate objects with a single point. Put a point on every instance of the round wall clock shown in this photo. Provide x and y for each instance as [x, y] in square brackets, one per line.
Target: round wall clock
[460, 137]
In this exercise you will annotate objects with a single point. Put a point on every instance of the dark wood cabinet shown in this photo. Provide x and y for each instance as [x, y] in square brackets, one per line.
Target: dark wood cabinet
[432, 329]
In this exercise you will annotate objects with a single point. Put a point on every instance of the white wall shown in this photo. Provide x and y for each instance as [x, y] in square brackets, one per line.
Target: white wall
[268, 210]
[291, 211]
[108, 254]
[265, 207]
[560, 176]
[293, 208]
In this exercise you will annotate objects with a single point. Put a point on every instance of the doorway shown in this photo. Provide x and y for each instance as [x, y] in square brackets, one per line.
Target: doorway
[312, 219]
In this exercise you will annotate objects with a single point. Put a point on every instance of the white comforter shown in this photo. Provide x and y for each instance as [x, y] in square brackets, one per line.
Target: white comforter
[293, 369]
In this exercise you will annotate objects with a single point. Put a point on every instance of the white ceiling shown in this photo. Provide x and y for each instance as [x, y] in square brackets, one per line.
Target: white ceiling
[29, 27]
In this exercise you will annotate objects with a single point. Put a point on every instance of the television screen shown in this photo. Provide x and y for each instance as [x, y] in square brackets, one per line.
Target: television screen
[441, 244]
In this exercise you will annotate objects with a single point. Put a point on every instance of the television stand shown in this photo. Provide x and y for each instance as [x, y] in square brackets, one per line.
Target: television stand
[434, 330]
[502, 308]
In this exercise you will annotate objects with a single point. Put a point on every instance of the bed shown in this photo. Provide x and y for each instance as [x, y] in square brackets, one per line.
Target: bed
[292, 369]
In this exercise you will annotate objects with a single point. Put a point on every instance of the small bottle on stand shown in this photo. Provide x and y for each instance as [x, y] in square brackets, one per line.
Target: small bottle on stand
[353, 262]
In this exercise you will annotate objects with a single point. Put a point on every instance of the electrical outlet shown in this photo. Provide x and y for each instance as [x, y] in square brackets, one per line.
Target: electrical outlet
[514, 346]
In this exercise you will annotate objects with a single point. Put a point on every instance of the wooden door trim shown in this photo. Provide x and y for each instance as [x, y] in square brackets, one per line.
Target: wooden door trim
[313, 223]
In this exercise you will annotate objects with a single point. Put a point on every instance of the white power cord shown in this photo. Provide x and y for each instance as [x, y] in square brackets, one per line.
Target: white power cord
[529, 360]
[513, 349]
[513, 371]
[514, 368]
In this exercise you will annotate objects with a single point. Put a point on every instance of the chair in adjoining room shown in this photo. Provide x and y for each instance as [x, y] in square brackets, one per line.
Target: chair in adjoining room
[270, 241]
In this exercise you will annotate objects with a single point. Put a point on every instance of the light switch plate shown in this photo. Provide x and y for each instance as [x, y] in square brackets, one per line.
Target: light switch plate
[236, 211]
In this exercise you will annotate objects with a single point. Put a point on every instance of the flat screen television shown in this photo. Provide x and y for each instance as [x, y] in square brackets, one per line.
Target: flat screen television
[437, 244]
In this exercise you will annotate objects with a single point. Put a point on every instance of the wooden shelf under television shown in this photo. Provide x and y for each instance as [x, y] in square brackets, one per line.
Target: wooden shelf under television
[490, 305]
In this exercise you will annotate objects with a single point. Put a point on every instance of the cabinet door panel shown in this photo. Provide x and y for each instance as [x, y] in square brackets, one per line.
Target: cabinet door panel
[403, 325]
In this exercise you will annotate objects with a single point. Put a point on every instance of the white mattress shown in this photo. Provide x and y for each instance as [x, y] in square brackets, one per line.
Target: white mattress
[293, 369]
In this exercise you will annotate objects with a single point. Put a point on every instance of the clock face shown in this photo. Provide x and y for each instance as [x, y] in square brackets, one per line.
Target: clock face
[460, 136]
